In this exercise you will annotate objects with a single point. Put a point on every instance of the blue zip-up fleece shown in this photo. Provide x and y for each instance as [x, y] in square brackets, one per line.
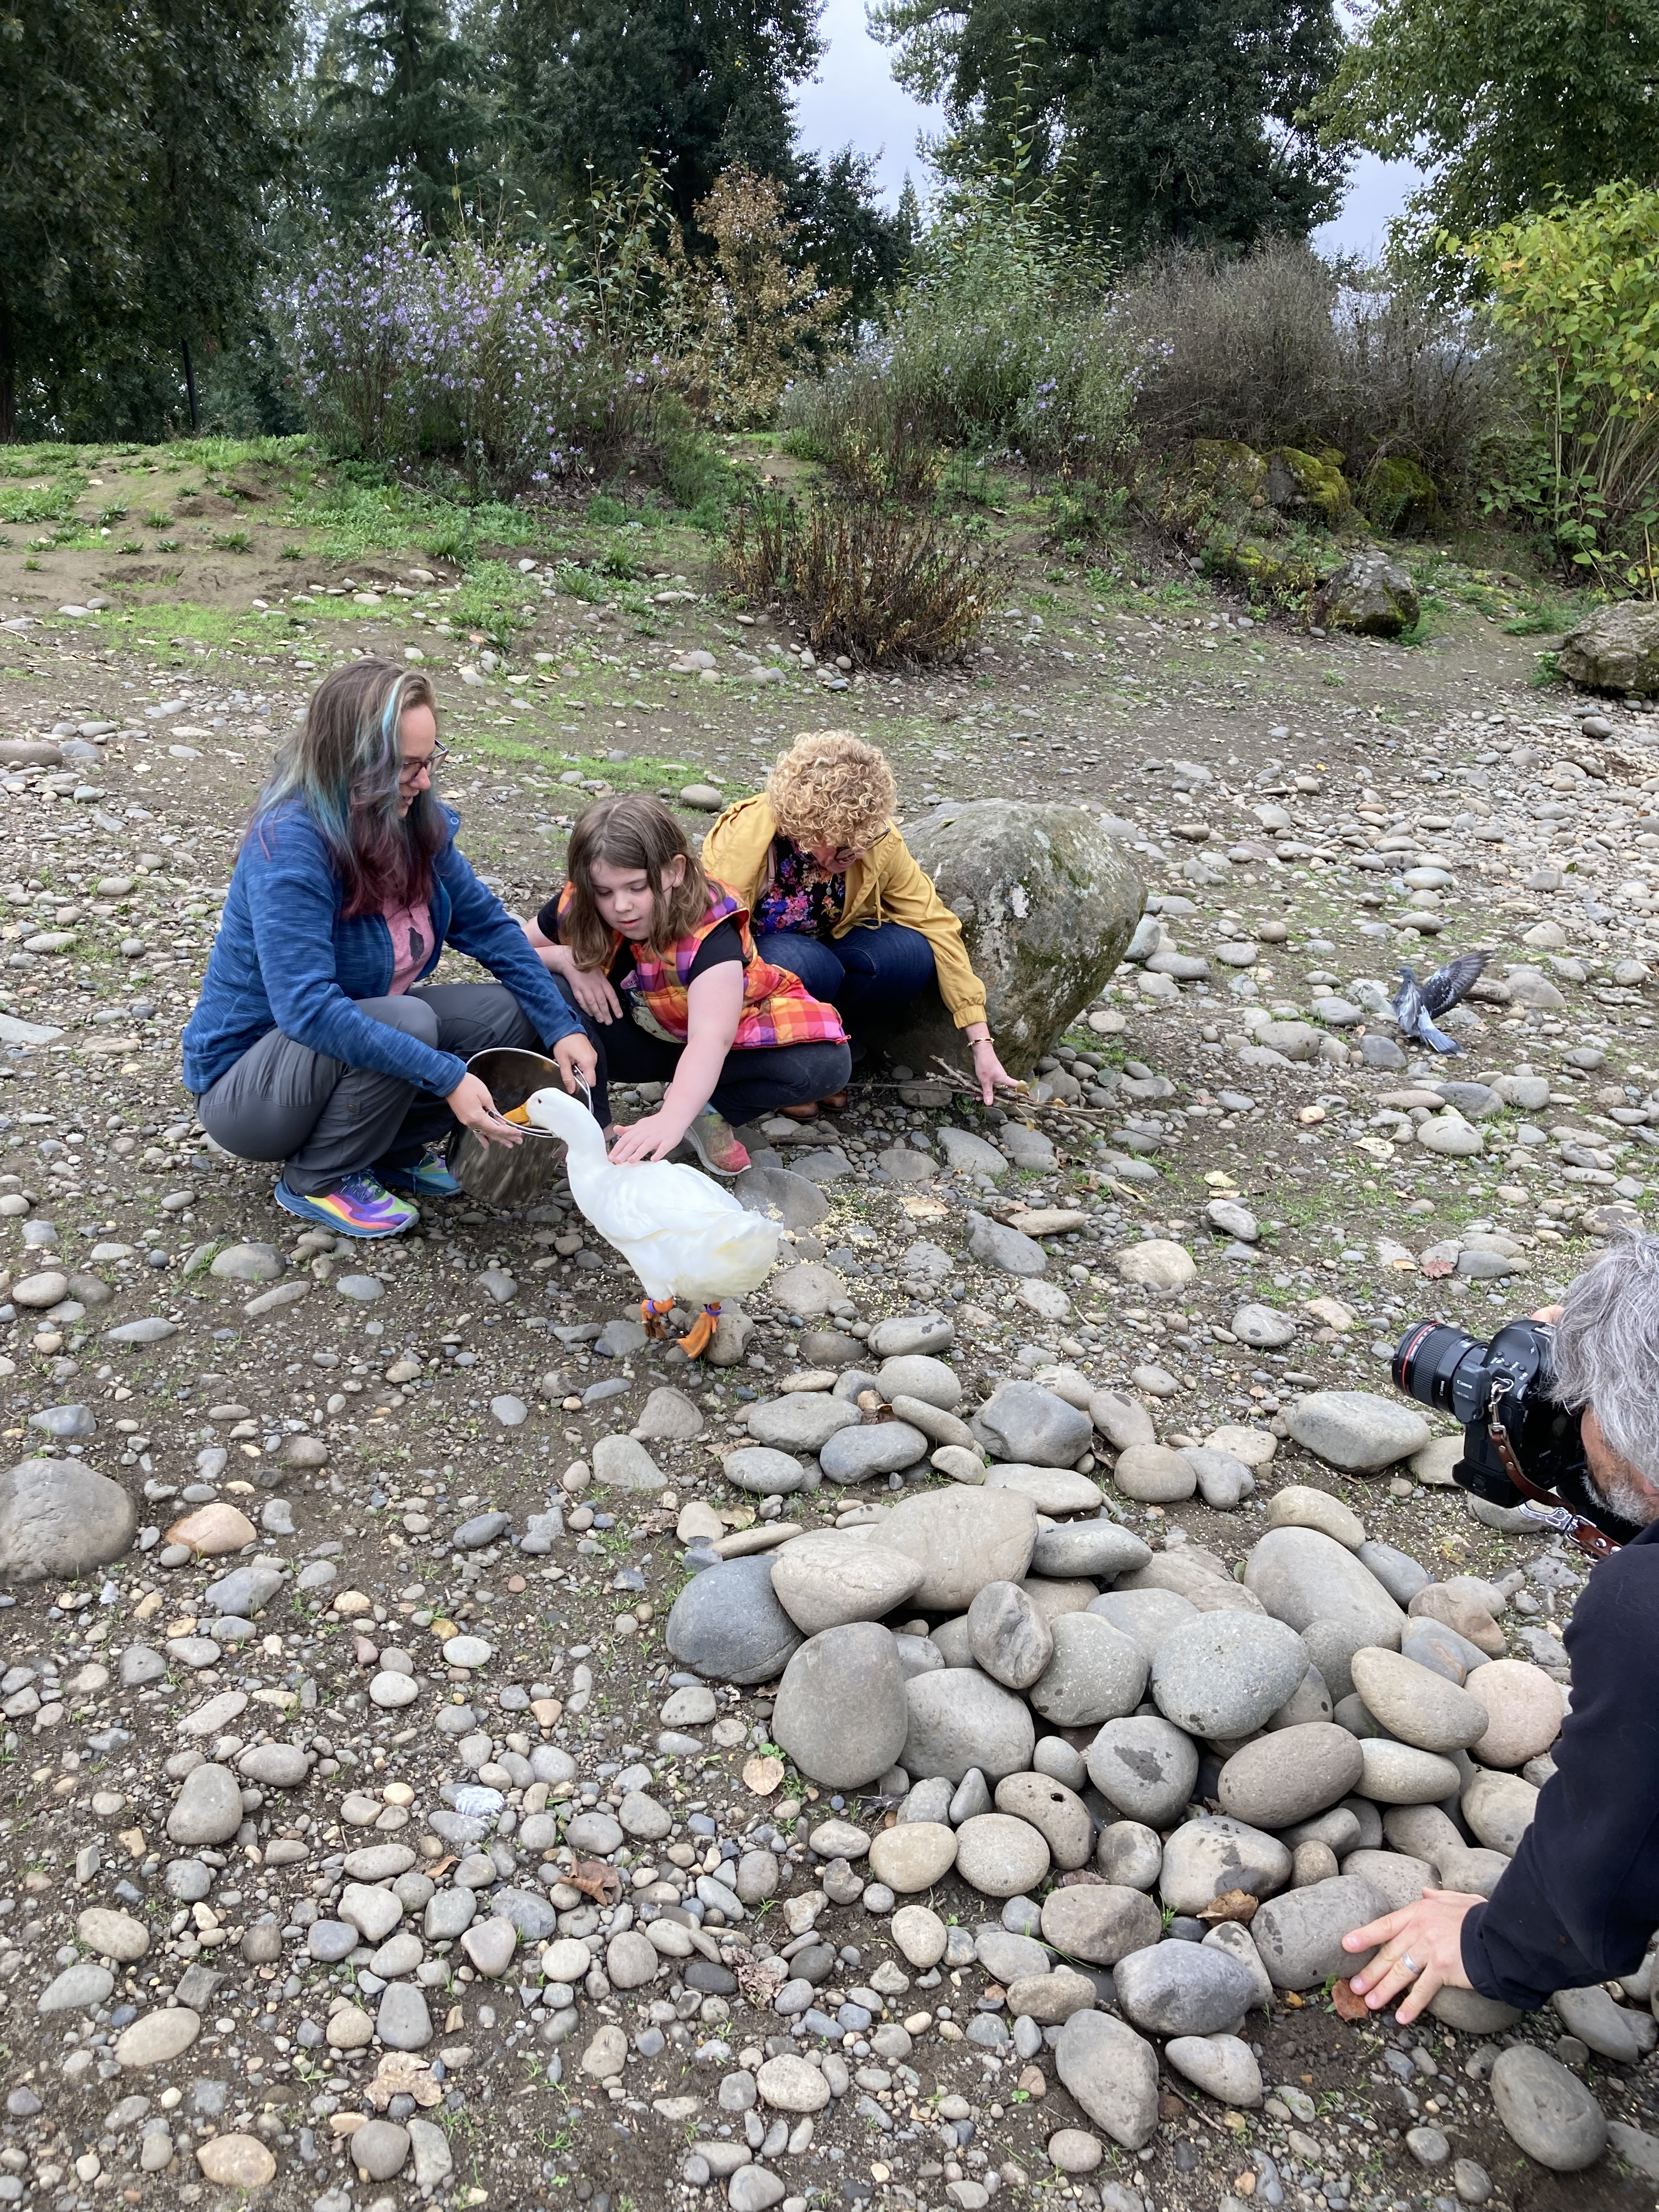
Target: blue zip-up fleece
[1580, 1900]
[286, 959]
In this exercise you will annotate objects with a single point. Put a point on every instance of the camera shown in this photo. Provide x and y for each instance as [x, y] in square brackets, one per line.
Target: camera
[1520, 1447]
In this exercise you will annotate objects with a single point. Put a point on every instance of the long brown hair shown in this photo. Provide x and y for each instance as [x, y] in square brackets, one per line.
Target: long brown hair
[630, 830]
[343, 767]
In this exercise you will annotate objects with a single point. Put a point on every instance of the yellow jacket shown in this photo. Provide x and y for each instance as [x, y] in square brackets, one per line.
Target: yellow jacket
[885, 885]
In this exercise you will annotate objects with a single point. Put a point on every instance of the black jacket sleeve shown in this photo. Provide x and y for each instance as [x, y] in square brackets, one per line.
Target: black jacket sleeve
[1581, 1898]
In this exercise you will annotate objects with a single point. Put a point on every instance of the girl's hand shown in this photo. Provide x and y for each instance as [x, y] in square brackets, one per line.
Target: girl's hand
[579, 1062]
[593, 993]
[1422, 1951]
[989, 1073]
[653, 1139]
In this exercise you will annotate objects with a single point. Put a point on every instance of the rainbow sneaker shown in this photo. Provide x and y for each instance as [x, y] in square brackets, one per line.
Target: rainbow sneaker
[715, 1141]
[427, 1178]
[362, 1205]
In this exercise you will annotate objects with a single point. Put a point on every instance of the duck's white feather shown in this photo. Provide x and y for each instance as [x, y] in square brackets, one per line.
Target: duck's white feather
[681, 1234]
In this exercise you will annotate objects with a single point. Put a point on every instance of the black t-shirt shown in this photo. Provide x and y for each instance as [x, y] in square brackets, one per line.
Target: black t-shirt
[722, 945]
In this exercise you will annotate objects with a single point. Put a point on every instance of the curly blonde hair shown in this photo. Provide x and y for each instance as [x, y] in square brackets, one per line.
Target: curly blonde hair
[831, 788]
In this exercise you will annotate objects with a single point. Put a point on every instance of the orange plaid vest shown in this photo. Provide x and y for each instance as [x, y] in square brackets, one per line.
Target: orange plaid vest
[777, 1006]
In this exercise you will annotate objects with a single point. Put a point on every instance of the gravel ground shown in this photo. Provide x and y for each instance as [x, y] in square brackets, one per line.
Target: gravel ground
[388, 1449]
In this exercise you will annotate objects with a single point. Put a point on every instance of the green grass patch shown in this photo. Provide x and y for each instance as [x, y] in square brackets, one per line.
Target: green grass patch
[34, 505]
[166, 620]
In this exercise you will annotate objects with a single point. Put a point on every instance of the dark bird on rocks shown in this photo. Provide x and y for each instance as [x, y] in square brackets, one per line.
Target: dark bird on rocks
[1416, 1004]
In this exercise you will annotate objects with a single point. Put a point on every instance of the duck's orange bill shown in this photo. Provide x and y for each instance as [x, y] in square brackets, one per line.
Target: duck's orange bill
[519, 1117]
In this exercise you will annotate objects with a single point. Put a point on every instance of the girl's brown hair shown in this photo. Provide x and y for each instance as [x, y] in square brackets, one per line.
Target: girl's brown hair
[632, 831]
[344, 766]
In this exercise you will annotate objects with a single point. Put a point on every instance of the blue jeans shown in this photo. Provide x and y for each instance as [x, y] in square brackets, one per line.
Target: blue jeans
[865, 975]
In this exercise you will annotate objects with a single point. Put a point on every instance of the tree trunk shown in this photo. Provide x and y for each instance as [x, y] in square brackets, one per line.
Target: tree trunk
[7, 370]
[190, 388]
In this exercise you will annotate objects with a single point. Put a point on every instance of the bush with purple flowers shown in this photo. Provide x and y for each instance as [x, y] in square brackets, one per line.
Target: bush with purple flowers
[467, 350]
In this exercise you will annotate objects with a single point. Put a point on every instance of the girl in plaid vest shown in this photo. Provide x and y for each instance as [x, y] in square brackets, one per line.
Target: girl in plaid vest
[659, 962]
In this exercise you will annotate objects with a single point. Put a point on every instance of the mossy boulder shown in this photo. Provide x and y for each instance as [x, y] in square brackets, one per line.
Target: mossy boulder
[1616, 649]
[1308, 486]
[1397, 495]
[1230, 470]
[1370, 594]
[1047, 899]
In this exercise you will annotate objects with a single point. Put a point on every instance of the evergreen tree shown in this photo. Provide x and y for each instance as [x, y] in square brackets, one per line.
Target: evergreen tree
[133, 172]
[401, 107]
[593, 84]
[1161, 122]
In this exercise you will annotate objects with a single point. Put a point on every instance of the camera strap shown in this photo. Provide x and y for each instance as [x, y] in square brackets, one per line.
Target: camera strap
[1544, 1505]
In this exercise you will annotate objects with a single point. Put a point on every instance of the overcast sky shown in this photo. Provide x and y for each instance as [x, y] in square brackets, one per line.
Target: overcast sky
[855, 99]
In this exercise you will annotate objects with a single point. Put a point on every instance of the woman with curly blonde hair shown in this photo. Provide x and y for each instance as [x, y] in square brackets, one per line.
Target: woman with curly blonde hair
[838, 898]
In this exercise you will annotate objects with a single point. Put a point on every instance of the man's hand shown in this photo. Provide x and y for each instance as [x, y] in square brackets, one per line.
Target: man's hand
[578, 1060]
[1430, 1934]
[471, 1103]
[989, 1073]
[653, 1139]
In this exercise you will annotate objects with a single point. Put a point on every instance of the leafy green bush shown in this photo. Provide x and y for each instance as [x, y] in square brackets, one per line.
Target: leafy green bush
[1576, 293]
[884, 588]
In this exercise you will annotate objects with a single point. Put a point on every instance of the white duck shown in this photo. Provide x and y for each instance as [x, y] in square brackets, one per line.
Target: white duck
[682, 1236]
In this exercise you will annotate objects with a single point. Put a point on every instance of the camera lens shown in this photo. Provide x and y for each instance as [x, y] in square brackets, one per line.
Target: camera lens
[1442, 1367]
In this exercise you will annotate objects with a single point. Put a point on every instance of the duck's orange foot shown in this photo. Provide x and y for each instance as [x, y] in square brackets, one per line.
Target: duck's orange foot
[701, 1334]
[655, 1312]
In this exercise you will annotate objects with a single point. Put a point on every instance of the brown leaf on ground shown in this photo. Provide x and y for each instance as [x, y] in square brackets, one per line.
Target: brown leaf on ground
[760, 1979]
[1434, 1269]
[1081, 1878]
[403, 2074]
[1348, 2006]
[763, 1774]
[1233, 1905]
[596, 1880]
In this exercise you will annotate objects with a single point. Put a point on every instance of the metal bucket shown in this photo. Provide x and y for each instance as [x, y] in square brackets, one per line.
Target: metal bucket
[509, 1175]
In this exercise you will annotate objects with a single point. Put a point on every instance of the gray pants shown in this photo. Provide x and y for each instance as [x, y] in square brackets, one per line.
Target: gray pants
[324, 1120]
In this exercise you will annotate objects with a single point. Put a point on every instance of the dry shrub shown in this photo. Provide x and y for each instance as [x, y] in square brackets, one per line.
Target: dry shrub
[886, 589]
[1282, 349]
[736, 325]
[866, 429]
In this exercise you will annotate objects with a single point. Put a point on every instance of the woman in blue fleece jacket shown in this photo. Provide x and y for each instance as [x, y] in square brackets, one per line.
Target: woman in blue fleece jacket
[311, 1042]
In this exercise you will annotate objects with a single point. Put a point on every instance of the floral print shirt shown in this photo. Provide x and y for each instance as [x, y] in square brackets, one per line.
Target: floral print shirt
[799, 897]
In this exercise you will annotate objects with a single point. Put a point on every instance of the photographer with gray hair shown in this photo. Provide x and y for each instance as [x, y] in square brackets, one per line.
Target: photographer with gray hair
[1579, 1902]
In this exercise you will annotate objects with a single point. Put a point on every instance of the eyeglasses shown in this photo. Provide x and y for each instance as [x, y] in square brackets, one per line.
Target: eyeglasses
[408, 769]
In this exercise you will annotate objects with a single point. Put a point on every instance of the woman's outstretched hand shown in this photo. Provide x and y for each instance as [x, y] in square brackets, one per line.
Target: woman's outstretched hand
[989, 1073]
[472, 1104]
[1422, 1951]
[578, 1061]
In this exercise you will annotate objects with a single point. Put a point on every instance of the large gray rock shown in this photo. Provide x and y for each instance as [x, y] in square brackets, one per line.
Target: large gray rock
[1301, 1576]
[1101, 1550]
[1357, 1429]
[1224, 1674]
[1547, 2111]
[58, 1518]
[1023, 1421]
[960, 1719]
[1097, 1674]
[841, 1713]
[727, 1623]
[1047, 899]
[831, 1576]
[1146, 1766]
[1207, 1857]
[1370, 594]
[1300, 1933]
[1010, 1636]
[964, 1538]
[1113, 2073]
[1100, 1921]
[1615, 649]
[804, 1421]
[208, 1807]
[1183, 1989]
[1289, 1774]
[1416, 1705]
[1148, 1617]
